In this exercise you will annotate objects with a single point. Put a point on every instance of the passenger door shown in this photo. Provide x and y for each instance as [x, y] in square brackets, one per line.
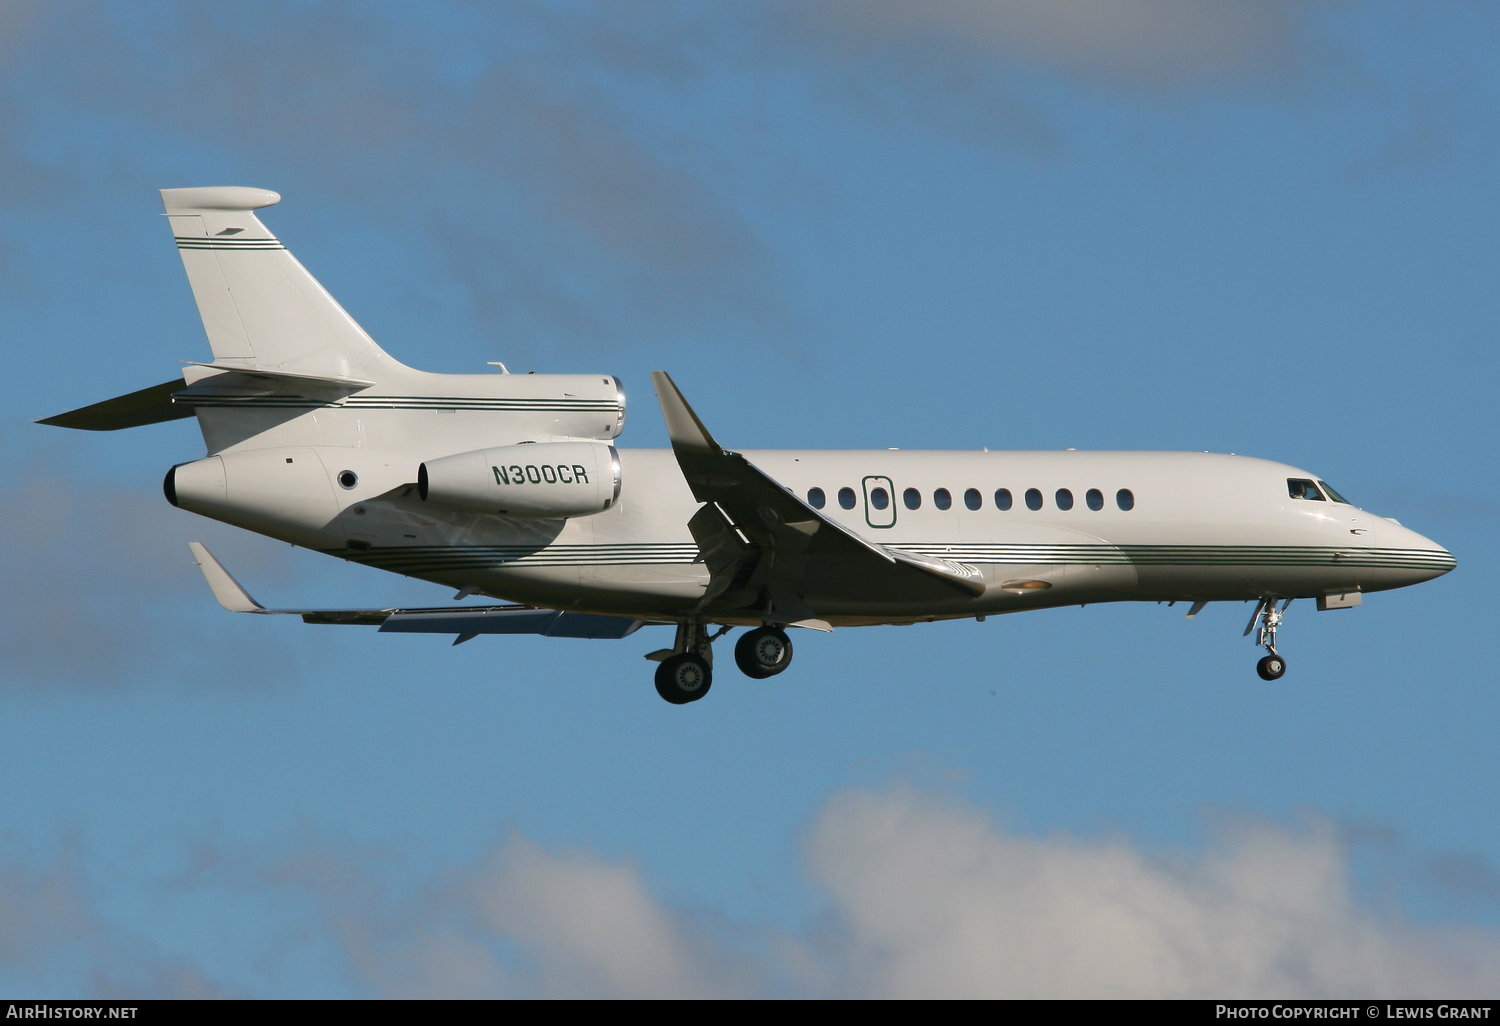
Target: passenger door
[880, 502]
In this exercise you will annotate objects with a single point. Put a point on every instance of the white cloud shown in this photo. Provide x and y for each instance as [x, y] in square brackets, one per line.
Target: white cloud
[925, 897]
[930, 899]
[922, 896]
[594, 929]
[526, 922]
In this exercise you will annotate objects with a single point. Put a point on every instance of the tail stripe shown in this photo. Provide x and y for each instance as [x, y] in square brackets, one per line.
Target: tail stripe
[186, 242]
[376, 402]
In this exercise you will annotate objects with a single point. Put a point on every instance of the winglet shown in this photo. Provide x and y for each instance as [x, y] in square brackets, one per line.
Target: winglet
[683, 426]
[225, 588]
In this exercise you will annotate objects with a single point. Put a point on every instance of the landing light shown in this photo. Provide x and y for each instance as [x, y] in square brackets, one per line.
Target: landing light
[1025, 587]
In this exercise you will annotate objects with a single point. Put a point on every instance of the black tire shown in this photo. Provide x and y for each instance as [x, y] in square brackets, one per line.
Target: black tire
[763, 652]
[683, 678]
[1271, 667]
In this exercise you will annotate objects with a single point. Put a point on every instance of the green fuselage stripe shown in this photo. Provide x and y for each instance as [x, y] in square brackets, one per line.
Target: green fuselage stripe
[418, 559]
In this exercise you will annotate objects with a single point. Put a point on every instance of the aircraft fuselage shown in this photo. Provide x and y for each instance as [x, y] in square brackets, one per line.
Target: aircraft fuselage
[1107, 526]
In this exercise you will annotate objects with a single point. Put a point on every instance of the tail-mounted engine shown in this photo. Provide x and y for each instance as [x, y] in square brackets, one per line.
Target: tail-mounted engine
[532, 479]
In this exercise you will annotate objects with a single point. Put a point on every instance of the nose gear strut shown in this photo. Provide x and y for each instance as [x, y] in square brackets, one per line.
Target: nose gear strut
[1269, 617]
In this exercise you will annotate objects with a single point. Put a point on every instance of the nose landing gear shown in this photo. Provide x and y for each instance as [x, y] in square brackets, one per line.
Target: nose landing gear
[1270, 667]
[1268, 616]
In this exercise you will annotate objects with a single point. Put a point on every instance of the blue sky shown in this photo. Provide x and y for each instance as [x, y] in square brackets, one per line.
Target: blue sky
[1265, 228]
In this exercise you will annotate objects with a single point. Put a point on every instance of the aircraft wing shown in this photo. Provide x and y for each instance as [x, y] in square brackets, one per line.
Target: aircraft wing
[464, 621]
[759, 539]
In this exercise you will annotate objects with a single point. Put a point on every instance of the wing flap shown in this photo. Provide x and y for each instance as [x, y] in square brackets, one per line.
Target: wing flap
[551, 623]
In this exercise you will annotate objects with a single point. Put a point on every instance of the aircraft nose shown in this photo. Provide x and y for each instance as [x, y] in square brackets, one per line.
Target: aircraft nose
[1421, 559]
[1442, 560]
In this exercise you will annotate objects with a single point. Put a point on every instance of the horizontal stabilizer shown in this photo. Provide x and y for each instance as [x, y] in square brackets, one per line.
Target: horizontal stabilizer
[226, 385]
[152, 405]
[465, 621]
[290, 378]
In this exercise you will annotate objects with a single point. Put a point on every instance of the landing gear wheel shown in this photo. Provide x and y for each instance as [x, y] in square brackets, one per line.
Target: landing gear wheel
[763, 652]
[1271, 667]
[683, 678]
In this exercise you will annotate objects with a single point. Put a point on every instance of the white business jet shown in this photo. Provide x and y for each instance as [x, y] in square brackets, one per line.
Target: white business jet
[509, 486]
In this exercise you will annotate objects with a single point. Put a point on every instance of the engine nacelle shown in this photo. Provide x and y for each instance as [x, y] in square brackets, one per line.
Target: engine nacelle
[532, 479]
[285, 493]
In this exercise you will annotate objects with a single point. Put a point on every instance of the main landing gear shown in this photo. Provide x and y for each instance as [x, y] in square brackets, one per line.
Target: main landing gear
[763, 652]
[686, 670]
[683, 678]
[1268, 616]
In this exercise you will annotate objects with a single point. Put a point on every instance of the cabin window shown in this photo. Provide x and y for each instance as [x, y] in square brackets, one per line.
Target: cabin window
[1002, 498]
[1064, 499]
[1095, 498]
[972, 498]
[1125, 499]
[1033, 498]
[912, 498]
[816, 499]
[879, 497]
[846, 498]
[1301, 488]
[941, 499]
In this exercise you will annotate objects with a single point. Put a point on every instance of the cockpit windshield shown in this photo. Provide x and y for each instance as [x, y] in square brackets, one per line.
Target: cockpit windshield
[1318, 491]
[1301, 488]
[1335, 496]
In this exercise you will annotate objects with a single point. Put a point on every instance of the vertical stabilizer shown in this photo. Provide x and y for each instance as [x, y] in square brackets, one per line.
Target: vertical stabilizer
[260, 307]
